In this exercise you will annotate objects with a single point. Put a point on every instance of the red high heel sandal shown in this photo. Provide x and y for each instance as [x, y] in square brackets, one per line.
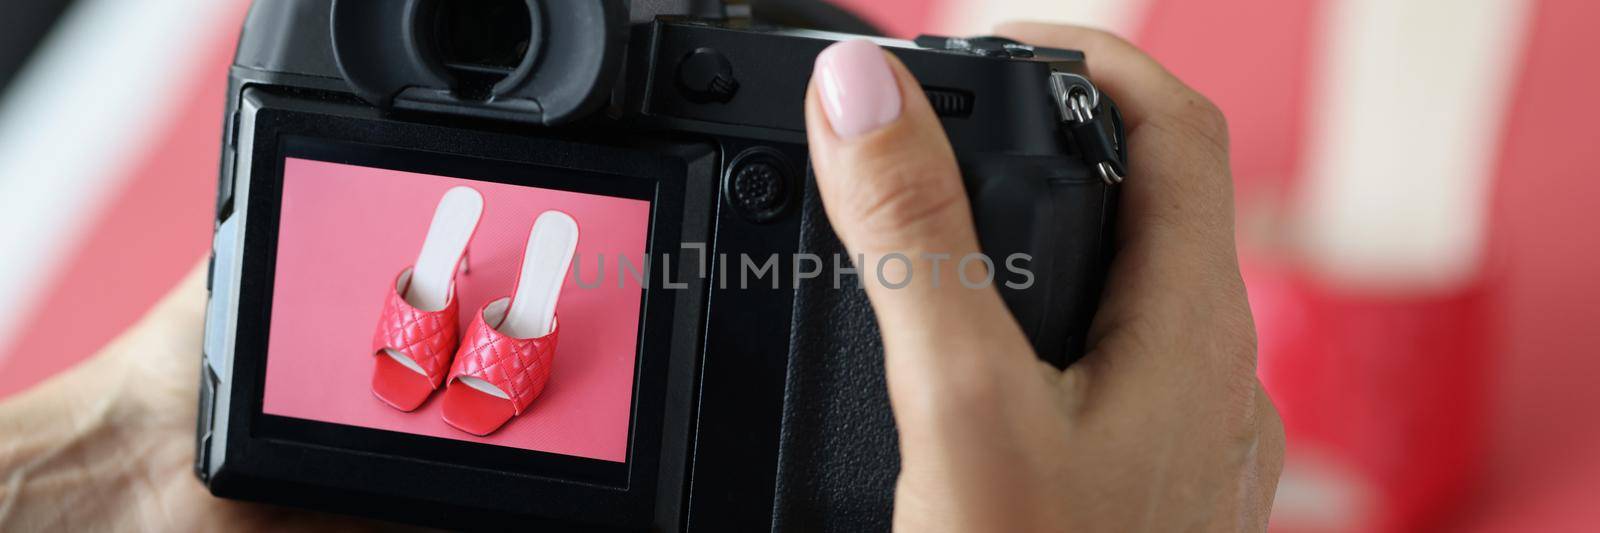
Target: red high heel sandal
[418, 330]
[506, 354]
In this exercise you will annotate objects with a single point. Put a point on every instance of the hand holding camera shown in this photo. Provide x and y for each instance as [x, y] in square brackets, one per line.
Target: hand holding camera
[1163, 426]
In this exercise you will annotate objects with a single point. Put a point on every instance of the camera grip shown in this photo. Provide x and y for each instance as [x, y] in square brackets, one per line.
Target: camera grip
[839, 453]
[1051, 217]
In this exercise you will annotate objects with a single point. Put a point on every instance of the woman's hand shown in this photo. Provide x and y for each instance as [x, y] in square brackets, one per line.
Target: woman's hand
[1163, 426]
[109, 445]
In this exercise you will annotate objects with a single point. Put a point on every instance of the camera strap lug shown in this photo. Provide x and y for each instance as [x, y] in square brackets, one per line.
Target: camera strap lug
[1096, 131]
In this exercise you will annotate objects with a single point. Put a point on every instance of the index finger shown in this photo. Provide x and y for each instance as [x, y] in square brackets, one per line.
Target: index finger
[1176, 265]
[1141, 85]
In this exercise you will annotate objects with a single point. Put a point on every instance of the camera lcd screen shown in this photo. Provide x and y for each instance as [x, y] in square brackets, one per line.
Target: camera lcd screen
[330, 203]
[347, 231]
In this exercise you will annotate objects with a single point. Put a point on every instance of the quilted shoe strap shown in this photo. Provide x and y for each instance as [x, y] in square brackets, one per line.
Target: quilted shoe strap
[518, 367]
[429, 338]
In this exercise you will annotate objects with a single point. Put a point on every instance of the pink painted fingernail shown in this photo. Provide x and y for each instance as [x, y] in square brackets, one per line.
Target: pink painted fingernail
[858, 90]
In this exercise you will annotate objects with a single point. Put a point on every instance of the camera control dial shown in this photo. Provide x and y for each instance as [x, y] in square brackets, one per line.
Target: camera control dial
[706, 76]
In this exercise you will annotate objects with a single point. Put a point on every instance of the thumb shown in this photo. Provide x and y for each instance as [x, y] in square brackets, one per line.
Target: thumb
[893, 192]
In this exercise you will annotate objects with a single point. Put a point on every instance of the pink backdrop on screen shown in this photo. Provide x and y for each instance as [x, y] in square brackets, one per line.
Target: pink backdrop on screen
[346, 231]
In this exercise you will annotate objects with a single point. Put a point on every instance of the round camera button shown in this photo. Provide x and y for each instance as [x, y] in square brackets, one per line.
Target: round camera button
[758, 185]
[706, 76]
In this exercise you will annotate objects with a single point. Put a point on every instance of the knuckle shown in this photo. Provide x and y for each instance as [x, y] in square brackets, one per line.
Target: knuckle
[1244, 427]
[1271, 421]
[976, 387]
[1097, 37]
[1238, 347]
[894, 197]
[904, 210]
[1232, 347]
[1113, 39]
[1205, 118]
[1066, 35]
[1197, 133]
[1269, 439]
[1273, 435]
[960, 390]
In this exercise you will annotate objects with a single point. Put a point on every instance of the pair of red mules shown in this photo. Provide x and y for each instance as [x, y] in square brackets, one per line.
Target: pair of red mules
[494, 370]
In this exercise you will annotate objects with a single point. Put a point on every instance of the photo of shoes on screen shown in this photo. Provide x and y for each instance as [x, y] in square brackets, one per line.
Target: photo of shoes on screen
[450, 308]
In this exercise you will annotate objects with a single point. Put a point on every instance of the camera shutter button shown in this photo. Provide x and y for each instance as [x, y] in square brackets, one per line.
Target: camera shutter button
[706, 76]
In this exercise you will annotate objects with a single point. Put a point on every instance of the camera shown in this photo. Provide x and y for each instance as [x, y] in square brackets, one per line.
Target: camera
[718, 367]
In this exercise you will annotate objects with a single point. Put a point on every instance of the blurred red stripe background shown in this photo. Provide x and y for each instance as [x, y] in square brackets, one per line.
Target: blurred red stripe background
[153, 230]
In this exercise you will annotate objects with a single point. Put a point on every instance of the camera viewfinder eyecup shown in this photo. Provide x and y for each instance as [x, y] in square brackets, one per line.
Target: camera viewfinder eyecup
[545, 62]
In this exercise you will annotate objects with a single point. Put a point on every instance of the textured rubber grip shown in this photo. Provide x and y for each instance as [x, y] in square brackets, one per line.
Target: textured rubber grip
[1057, 213]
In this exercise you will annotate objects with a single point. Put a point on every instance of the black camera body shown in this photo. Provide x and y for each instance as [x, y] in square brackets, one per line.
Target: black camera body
[760, 407]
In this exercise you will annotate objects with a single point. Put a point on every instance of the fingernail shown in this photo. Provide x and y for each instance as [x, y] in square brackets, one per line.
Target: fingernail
[858, 90]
